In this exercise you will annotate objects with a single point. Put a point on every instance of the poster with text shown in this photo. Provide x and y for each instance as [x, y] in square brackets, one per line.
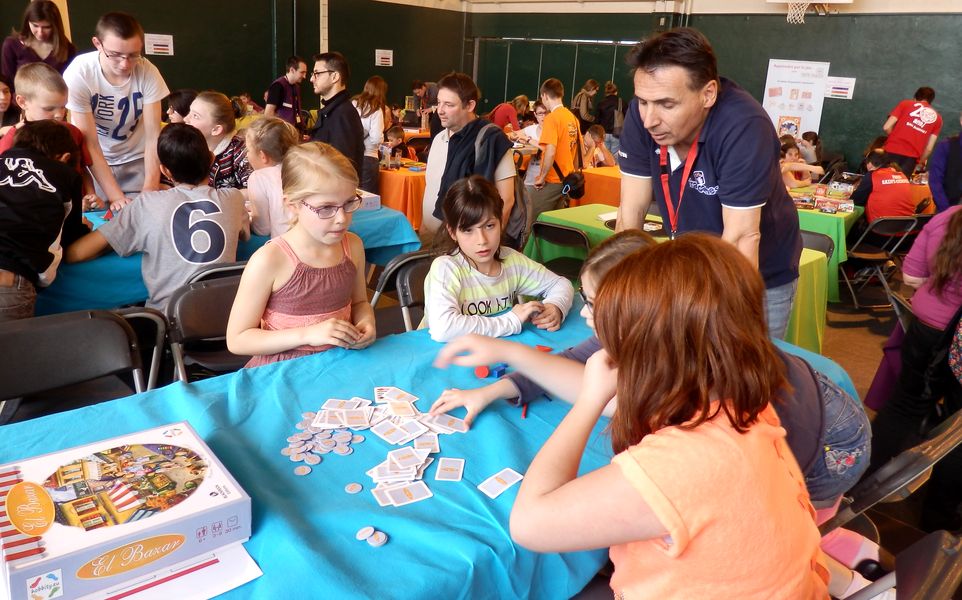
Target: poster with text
[794, 91]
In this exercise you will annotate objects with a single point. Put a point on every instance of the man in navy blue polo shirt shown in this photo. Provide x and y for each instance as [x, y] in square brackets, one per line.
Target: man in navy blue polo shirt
[711, 148]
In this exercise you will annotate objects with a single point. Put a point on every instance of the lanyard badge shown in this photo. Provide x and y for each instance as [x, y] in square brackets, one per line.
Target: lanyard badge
[665, 176]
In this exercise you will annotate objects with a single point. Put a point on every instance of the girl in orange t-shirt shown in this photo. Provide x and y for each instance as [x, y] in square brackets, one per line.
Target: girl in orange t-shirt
[703, 499]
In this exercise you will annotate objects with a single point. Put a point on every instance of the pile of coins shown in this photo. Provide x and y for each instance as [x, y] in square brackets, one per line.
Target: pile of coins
[310, 443]
[374, 537]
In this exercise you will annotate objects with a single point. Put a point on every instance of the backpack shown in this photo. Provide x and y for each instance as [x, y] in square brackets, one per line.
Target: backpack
[516, 230]
[619, 121]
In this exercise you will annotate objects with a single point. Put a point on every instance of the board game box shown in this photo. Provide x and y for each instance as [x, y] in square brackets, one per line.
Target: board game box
[82, 520]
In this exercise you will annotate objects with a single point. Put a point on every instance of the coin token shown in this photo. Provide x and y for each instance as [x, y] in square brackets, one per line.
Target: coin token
[303, 436]
[379, 538]
[312, 459]
[297, 457]
[343, 450]
[327, 444]
[321, 449]
[287, 451]
[292, 439]
[363, 533]
[309, 415]
[342, 437]
[353, 488]
[296, 443]
[302, 470]
[357, 439]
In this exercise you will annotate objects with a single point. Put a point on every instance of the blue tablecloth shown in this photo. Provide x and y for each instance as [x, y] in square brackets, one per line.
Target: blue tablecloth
[111, 281]
[454, 545]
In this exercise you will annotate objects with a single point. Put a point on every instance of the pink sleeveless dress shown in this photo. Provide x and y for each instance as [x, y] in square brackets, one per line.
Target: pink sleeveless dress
[311, 295]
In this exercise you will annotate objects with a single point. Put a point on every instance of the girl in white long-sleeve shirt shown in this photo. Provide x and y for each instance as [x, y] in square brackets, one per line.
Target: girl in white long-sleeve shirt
[474, 288]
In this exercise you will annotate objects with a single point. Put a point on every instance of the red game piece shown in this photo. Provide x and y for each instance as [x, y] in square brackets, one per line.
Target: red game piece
[481, 372]
[541, 348]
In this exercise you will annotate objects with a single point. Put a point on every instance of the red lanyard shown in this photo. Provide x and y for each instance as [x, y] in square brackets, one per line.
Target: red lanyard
[666, 174]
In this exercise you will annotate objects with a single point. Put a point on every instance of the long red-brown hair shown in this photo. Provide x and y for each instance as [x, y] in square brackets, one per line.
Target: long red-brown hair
[684, 321]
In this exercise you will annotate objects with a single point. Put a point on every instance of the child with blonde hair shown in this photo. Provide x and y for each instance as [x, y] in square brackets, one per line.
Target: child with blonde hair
[213, 114]
[268, 140]
[304, 292]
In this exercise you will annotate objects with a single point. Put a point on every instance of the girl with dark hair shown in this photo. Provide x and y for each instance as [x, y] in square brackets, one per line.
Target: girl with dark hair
[178, 105]
[704, 497]
[934, 267]
[41, 39]
[9, 111]
[472, 288]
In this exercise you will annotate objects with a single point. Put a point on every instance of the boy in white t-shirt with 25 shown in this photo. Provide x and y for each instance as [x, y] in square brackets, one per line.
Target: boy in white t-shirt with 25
[114, 100]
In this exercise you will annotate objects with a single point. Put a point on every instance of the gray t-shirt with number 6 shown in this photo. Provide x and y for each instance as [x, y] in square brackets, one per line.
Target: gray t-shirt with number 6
[180, 232]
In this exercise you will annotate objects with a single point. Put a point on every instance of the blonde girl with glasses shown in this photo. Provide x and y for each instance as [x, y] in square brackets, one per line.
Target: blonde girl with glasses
[304, 292]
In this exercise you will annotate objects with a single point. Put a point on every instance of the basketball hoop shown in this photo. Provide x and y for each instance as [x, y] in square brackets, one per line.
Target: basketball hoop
[796, 12]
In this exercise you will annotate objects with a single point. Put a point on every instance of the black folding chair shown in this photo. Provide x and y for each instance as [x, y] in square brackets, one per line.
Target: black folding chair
[390, 320]
[218, 271]
[929, 569]
[866, 251]
[561, 235]
[818, 241]
[59, 352]
[410, 290]
[157, 322]
[198, 314]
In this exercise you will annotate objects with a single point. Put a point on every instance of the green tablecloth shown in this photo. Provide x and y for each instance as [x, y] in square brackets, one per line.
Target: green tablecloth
[806, 325]
[836, 227]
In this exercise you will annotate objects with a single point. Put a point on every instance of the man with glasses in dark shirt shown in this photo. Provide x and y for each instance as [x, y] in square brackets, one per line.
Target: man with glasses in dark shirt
[114, 99]
[338, 122]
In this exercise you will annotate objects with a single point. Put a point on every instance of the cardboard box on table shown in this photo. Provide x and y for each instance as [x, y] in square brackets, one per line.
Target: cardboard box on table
[94, 517]
[369, 201]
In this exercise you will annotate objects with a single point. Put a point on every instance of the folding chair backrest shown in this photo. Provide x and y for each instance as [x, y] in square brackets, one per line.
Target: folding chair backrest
[900, 473]
[159, 323]
[199, 311]
[387, 282]
[218, 271]
[560, 235]
[818, 241]
[45, 353]
[410, 287]
[894, 229]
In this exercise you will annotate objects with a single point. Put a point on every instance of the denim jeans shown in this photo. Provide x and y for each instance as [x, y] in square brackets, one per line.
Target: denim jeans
[613, 145]
[847, 436]
[778, 308]
[17, 301]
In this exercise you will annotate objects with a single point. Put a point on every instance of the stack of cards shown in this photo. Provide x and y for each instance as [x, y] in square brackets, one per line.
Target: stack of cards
[398, 478]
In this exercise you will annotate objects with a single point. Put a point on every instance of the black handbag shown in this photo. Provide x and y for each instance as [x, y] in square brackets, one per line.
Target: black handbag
[573, 184]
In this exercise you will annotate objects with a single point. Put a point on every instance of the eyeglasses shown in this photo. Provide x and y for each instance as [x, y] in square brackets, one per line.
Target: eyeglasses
[118, 57]
[329, 210]
[319, 73]
[588, 303]
[540, 114]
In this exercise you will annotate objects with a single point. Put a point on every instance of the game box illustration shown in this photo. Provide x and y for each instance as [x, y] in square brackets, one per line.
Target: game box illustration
[90, 518]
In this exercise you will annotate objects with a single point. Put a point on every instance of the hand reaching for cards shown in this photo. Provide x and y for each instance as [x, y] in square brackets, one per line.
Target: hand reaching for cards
[335, 332]
[473, 350]
[600, 383]
[550, 317]
[119, 204]
[93, 202]
[527, 310]
[474, 400]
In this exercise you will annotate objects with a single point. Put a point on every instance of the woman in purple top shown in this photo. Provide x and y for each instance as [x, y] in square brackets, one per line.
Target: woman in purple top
[934, 268]
[41, 39]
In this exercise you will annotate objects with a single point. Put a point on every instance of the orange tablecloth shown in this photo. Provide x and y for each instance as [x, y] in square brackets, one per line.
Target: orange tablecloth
[920, 192]
[602, 186]
[403, 190]
[410, 134]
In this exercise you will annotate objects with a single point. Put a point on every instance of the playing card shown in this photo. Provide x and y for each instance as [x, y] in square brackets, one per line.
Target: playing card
[389, 432]
[400, 408]
[387, 393]
[412, 429]
[495, 485]
[449, 422]
[407, 494]
[449, 469]
[405, 457]
[380, 494]
[336, 404]
[428, 441]
[355, 418]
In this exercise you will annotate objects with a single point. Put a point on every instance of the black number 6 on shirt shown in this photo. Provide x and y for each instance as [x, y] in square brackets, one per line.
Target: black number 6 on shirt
[197, 240]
